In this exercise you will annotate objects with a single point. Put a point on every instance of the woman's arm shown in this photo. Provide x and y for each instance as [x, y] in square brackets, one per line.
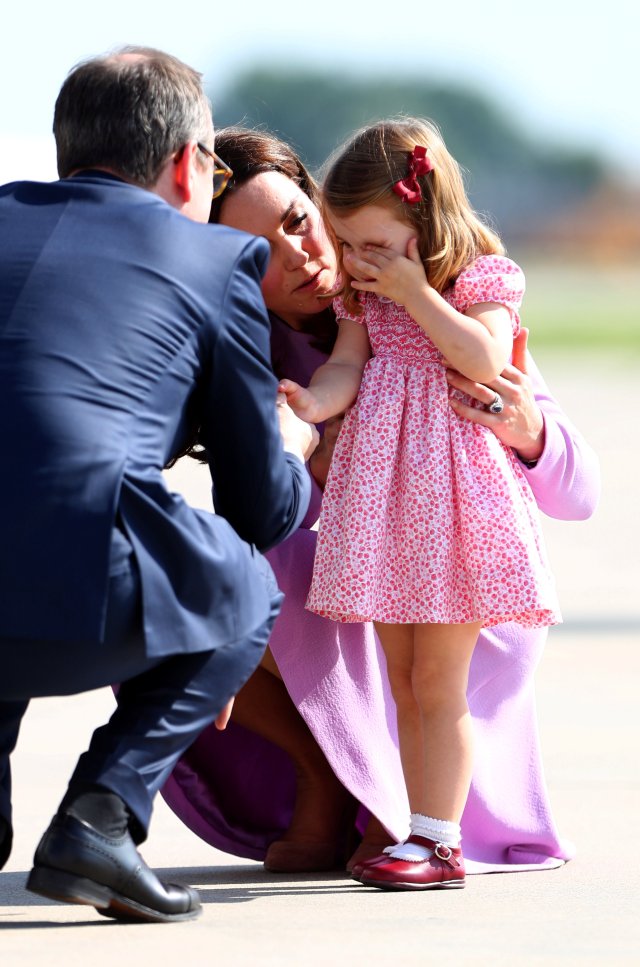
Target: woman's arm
[334, 385]
[563, 470]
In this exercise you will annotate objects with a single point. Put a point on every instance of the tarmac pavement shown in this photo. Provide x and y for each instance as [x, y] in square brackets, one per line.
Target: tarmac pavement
[584, 913]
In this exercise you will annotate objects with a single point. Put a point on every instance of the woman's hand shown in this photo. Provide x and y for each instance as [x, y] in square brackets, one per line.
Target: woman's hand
[387, 273]
[520, 425]
[321, 458]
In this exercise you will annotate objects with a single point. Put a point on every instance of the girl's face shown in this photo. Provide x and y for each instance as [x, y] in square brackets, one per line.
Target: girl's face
[382, 225]
[302, 268]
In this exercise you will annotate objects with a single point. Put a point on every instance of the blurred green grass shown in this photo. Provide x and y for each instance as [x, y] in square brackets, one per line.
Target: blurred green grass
[581, 306]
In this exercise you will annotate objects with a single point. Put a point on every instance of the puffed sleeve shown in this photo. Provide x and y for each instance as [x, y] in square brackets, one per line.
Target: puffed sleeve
[342, 312]
[491, 278]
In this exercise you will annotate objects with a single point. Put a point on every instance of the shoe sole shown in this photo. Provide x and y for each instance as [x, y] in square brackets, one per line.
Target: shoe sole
[67, 888]
[385, 885]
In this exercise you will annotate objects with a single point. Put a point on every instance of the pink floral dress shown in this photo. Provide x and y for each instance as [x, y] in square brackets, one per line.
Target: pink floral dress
[427, 517]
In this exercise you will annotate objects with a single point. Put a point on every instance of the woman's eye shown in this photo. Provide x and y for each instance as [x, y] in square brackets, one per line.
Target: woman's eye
[296, 221]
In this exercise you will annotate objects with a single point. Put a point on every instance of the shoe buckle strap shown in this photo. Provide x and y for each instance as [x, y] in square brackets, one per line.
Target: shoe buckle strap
[445, 853]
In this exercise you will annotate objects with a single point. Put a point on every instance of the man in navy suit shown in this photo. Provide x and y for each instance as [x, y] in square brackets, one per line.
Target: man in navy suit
[126, 325]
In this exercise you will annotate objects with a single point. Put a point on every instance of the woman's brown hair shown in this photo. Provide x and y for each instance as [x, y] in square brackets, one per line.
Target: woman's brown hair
[249, 153]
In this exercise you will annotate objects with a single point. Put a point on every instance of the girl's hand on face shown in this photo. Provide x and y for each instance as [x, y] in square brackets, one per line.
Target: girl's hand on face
[387, 273]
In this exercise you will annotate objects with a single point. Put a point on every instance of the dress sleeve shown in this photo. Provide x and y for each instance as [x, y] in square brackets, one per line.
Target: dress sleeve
[566, 479]
[491, 278]
[343, 313]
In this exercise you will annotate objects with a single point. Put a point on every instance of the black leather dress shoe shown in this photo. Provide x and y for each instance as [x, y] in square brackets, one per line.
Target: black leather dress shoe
[76, 864]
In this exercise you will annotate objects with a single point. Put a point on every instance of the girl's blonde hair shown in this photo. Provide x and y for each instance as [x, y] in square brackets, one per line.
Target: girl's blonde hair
[450, 235]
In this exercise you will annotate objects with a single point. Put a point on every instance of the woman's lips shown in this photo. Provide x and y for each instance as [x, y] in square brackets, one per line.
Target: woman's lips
[311, 283]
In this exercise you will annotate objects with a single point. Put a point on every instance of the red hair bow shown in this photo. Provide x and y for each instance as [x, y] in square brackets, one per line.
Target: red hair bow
[409, 188]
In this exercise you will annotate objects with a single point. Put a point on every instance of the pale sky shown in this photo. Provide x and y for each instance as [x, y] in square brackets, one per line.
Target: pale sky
[561, 71]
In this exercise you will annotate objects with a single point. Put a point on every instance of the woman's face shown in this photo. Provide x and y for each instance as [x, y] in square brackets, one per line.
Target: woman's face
[302, 267]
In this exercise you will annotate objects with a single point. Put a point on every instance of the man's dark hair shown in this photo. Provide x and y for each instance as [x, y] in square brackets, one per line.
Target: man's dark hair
[129, 111]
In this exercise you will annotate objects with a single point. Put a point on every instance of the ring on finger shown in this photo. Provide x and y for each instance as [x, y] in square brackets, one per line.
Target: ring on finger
[497, 405]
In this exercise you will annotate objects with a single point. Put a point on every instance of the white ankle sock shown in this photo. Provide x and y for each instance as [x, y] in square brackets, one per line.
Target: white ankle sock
[439, 830]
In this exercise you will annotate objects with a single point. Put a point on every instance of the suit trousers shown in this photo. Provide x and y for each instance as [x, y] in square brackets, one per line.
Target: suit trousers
[162, 704]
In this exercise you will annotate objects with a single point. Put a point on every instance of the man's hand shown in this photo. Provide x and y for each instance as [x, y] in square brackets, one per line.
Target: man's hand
[298, 436]
[223, 716]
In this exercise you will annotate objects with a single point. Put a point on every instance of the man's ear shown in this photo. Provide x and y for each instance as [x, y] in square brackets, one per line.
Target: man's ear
[184, 171]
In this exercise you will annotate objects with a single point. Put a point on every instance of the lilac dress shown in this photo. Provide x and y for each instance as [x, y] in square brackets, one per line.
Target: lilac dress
[236, 790]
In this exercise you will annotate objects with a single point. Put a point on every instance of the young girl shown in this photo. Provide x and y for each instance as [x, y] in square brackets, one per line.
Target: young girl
[428, 526]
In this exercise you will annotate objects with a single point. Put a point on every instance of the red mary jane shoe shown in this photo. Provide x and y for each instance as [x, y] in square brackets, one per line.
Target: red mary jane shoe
[358, 868]
[443, 870]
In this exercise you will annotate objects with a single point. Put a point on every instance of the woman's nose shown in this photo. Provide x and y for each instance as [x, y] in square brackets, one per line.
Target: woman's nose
[294, 254]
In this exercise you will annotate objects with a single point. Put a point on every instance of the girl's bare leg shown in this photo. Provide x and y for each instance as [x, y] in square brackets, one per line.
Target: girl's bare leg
[442, 656]
[428, 667]
[398, 647]
[428, 670]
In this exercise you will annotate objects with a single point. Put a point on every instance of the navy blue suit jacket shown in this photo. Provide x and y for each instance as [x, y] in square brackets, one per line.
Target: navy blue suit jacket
[123, 325]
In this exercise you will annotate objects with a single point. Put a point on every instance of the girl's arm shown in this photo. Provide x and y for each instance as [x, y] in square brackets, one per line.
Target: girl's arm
[334, 386]
[477, 342]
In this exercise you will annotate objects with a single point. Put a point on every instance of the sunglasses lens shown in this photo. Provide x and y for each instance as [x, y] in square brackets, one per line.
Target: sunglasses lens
[220, 180]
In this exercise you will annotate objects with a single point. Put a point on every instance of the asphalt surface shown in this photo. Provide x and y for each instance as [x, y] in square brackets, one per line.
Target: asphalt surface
[584, 913]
